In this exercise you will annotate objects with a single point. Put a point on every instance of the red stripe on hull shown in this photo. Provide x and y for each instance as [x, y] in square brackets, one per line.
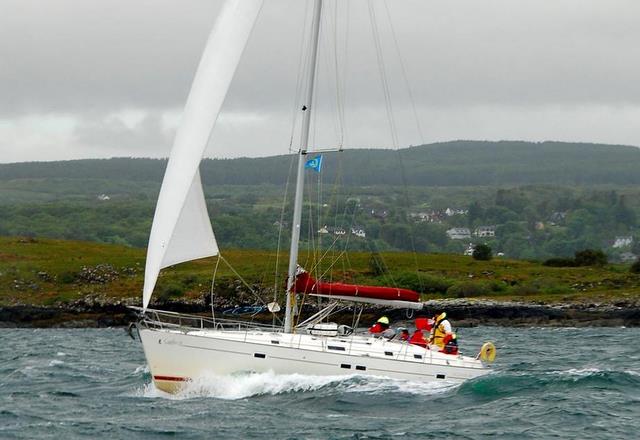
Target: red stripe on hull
[171, 378]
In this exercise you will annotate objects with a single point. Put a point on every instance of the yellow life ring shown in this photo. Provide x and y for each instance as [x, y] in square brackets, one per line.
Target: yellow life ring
[487, 352]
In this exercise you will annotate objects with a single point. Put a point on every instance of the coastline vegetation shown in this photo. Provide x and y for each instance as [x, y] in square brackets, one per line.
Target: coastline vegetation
[48, 271]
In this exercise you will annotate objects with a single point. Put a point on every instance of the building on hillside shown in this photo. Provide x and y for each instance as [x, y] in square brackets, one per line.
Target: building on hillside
[450, 212]
[429, 216]
[485, 231]
[459, 233]
[103, 197]
[557, 218]
[358, 232]
[539, 226]
[628, 257]
[331, 230]
[380, 213]
[469, 250]
[622, 241]
[420, 216]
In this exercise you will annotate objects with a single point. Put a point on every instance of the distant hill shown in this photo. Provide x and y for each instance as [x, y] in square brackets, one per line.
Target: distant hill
[457, 163]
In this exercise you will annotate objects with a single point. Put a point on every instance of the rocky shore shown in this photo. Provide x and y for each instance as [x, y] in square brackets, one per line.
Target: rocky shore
[105, 312]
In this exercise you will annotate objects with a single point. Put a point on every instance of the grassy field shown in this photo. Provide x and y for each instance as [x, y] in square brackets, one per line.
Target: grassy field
[45, 271]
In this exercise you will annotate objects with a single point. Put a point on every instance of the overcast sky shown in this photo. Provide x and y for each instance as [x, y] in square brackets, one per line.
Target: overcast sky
[89, 78]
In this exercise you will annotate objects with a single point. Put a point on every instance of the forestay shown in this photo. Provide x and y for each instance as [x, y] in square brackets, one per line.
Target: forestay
[181, 228]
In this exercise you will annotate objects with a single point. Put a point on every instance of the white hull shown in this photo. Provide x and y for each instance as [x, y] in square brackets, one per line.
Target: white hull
[176, 356]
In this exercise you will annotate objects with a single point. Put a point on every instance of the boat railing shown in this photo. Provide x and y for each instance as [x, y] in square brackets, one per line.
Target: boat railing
[163, 319]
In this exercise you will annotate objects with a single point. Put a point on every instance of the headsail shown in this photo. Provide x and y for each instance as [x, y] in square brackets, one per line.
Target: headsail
[181, 228]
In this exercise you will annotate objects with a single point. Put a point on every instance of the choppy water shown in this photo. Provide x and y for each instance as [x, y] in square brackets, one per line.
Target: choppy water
[548, 383]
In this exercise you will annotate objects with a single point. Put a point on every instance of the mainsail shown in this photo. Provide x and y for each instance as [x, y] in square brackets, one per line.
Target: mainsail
[181, 228]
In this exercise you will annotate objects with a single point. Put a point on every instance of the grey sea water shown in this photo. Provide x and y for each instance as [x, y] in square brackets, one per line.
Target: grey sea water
[547, 383]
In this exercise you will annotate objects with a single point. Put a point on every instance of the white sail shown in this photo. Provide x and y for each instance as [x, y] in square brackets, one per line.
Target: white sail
[181, 228]
[192, 222]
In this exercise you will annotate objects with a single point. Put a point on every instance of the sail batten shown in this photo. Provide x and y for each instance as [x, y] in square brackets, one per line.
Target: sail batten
[181, 229]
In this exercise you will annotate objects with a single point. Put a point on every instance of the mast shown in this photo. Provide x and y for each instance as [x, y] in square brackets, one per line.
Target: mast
[304, 144]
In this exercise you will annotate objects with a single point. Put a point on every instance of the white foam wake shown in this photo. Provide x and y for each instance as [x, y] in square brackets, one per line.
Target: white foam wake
[241, 386]
[578, 373]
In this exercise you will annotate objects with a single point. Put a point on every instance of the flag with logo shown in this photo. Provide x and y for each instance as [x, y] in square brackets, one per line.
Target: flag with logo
[314, 163]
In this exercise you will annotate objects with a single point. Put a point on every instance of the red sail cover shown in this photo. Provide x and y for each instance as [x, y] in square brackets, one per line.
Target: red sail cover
[307, 284]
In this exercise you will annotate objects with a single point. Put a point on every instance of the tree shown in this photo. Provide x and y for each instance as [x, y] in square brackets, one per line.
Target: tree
[635, 267]
[590, 257]
[377, 265]
[482, 252]
[475, 213]
[623, 214]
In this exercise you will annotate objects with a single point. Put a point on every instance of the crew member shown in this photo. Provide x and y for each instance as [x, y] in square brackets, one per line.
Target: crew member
[441, 328]
[450, 344]
[404, 334]
[380, 326]
[417, 338]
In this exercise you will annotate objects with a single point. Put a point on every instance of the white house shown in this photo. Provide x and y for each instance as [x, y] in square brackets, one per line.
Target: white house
[469, 250]
[381, 213]
[323, 230]
[622, 241]
[431, 216]
[459, 233]
[358, 232]
[339, 231]
[450, 212]
[485, 231]
[628, 257]
[420, 216]
[103, 197]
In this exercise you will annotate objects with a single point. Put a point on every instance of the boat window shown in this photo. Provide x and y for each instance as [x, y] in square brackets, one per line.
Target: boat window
[417, 356]
[361, 367]
[348, 366]
[335, 347]
[388, 353]
[259, 355]
[439, 376]
[275, 342]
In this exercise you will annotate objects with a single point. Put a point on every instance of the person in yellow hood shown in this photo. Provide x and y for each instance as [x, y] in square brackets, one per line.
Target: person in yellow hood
[380, 326]
[441, 328]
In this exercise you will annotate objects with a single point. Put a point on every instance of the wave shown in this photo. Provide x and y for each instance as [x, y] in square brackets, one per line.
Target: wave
[247, 385]
[577, 374]
[141, 369]
[502, 383]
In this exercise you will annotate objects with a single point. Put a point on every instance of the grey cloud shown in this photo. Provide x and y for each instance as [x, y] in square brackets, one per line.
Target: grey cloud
[111, 134]
[91, 59]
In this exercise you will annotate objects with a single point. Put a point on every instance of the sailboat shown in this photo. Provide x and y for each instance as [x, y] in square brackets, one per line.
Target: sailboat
[180, 348]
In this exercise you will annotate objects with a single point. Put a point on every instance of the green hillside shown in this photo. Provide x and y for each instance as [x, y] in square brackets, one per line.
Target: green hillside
[541, 199]
[457, 163]
[44, 271]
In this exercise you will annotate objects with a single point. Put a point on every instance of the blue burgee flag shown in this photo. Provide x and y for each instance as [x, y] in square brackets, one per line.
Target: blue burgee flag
[315, 163]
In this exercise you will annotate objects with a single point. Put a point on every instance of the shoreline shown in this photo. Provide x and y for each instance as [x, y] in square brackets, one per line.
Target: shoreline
[88, 313]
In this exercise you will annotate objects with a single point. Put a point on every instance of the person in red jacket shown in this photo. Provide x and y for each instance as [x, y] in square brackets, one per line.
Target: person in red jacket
[450, 344]
[417, 338]
[380, 326]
